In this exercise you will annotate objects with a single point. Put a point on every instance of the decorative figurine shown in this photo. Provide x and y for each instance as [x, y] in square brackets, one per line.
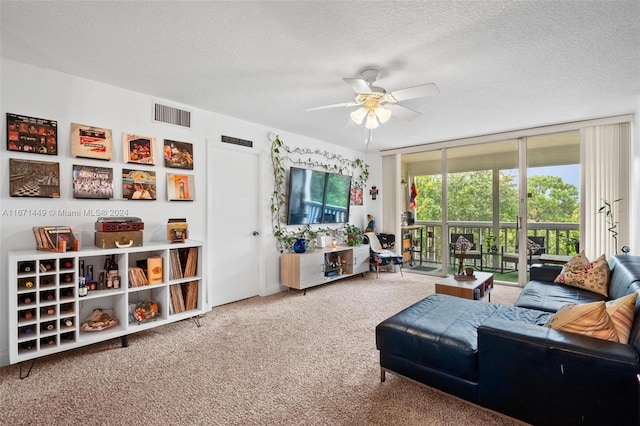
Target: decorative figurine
[371, 225]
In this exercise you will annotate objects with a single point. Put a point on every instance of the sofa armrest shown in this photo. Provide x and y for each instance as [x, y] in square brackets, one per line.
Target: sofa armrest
[545, 376]
[543, 272]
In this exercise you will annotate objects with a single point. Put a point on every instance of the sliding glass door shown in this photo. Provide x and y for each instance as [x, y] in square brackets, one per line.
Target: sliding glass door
[553, 197]
[484, 192]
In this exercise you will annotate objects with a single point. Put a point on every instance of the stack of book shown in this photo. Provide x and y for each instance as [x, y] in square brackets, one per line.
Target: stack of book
[137, 277]
[55, 238]
[184, 263]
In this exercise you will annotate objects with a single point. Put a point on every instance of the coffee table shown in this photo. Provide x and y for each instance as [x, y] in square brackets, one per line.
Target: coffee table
[466, 289]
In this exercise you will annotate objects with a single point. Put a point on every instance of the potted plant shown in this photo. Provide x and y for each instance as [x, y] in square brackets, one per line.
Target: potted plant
[490, 240]
[612, 224]
[571, 244]
[353, 234]
[303, 239]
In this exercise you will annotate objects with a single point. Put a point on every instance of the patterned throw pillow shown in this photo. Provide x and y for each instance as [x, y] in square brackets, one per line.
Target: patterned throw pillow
[532, 247]
[622, 311]
[578, 260]
[589, 319]
[593, 276]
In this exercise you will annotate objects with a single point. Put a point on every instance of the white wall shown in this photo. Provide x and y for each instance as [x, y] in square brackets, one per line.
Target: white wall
[43, 93]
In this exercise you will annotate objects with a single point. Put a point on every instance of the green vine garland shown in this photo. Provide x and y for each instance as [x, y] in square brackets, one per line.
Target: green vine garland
[281, 156]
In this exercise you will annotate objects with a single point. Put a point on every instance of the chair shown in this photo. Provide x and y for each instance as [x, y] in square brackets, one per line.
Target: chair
[535, 248]
[473, 253]
[382, 257]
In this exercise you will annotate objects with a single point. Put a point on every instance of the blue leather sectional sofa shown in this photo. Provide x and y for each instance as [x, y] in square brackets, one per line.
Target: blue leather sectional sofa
[504, 358]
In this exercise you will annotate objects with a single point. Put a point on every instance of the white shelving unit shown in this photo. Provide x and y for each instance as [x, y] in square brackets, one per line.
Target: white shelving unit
[320, 266]
[45, 311]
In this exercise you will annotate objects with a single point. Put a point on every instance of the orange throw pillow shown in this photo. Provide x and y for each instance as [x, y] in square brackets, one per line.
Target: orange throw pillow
[622, 312]
[589, 319]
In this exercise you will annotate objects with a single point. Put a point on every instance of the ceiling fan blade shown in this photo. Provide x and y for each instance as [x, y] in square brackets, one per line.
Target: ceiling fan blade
[401, 112]
[420, 91]
[344, 104]
[358, 85]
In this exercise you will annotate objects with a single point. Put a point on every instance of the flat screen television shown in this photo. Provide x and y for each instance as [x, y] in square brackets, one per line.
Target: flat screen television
[317, 197]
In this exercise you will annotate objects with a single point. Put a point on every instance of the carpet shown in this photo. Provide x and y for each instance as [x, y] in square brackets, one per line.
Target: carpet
[285, 359]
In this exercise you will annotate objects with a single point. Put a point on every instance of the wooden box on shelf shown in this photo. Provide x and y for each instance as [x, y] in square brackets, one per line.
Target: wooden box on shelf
[123, 239]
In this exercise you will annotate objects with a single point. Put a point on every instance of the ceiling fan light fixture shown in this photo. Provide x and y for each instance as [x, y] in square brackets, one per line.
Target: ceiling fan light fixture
[372, 121]
[383, 114]
[358, 115]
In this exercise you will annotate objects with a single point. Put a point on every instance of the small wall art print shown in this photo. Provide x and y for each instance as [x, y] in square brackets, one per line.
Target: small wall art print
[92, 182]
[180, 187]
[138, 149]
[356, 198]
[91, 142]
[138, 184]
[34, 178]
[30, 134]
[178, 155]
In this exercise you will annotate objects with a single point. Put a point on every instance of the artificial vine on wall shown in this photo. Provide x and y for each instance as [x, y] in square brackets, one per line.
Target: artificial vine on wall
[283, 156]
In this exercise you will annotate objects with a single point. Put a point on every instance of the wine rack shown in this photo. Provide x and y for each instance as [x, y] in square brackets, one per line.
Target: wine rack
[46, 309]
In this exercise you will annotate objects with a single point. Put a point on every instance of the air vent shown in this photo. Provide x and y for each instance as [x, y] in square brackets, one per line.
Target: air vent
[170, 115]
[236, 141]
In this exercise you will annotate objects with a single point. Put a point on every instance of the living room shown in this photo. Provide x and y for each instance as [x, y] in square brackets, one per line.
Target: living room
[43, 87]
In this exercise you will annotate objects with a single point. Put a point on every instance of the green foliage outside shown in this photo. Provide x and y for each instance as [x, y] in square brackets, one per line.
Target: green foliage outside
[470, 198]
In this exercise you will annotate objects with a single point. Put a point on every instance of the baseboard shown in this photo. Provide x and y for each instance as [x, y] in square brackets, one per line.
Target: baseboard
[273, 289]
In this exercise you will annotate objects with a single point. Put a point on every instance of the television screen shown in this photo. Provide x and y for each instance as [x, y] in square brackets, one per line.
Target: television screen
[337, 193]
[306, 192]
[317, 197]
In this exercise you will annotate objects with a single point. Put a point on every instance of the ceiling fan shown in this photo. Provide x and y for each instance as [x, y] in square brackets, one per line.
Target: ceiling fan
[378, 105]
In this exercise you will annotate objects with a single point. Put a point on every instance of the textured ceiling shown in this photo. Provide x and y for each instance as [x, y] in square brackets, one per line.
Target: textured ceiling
[499, 65]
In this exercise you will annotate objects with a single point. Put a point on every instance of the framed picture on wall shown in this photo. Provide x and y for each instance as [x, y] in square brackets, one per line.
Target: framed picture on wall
[180, 187]
[356, 198]
[138, 149]
[91, 142]
[34, 178]
[138, 184]
[178, 155]
[30, 134]
[92, 182]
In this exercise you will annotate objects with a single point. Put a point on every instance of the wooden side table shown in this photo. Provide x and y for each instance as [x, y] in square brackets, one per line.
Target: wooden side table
[466, 289]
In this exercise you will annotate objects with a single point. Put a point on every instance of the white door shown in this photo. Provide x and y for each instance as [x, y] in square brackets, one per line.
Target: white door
[234, 240]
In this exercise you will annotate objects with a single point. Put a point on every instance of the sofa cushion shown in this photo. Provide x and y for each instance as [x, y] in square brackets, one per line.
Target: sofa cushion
[622, 312]
[590, 319]
[441, 332]
[593, 276]
[549, 297]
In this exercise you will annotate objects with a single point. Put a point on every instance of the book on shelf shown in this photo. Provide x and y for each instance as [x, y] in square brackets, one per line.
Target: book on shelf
[184, 296]
[177, 300]
[55, 238]
[184, 262]
[154, 270]
[137, 277]
[190, 291]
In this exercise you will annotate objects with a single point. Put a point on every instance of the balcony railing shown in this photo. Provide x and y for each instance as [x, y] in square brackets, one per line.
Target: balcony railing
[560, 237]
